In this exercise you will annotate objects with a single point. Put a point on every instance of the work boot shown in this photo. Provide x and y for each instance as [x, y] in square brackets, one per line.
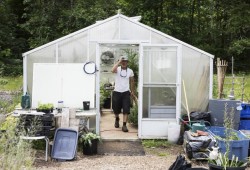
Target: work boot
[124, 128]
[117, 123]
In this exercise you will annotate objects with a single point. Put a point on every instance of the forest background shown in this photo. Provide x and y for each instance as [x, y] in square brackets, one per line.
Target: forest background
[220, 27]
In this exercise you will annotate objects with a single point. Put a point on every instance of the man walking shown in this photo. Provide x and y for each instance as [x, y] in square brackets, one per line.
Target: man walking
[124, 87]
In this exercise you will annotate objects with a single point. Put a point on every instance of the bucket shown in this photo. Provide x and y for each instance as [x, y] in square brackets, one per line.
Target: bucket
[86, 105]
[173, 133]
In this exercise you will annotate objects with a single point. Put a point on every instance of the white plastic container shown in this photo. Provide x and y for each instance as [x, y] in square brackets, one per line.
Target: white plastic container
[173, 132]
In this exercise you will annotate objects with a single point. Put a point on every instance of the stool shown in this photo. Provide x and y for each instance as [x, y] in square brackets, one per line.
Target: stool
[39, 138]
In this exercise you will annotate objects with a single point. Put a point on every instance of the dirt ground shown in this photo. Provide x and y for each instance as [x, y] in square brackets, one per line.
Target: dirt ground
[154, 158]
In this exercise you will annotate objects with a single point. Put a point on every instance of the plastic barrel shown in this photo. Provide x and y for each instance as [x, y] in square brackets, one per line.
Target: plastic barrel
[173, 133]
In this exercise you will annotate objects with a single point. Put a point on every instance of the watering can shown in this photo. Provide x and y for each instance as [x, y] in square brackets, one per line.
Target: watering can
[214, 153]
[199, 125]
[25, 101]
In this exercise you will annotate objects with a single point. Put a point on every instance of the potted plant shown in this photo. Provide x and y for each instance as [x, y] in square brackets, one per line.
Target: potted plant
[224, 161]
[90, 141]
[46, 108]
[105, 95]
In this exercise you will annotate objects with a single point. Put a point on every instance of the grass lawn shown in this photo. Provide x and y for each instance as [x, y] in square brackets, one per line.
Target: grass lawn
[11, 83]
[239, 86]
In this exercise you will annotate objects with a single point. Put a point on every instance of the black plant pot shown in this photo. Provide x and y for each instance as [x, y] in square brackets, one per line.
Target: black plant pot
[216, 167]
[107, 103]
[45, 110]
[90, 149]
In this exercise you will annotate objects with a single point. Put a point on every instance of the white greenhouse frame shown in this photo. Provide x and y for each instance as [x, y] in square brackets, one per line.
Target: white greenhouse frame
[193, 66]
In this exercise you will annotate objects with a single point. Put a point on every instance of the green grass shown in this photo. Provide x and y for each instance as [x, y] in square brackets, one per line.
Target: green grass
[11, 83]
[155, 143]
[238, 86]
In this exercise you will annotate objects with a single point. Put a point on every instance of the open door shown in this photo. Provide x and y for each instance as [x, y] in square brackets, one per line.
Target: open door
[159, 89]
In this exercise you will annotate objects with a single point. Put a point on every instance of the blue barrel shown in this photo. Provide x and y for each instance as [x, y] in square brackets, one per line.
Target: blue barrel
[245, 117]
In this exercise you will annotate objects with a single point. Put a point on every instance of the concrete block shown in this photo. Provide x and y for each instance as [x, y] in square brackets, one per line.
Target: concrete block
[65, 118]
[72, 113]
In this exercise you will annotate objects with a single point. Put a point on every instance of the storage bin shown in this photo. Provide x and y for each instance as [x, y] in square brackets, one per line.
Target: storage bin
[244, 123]
[217, 108]
[247, 134]
[238, 148]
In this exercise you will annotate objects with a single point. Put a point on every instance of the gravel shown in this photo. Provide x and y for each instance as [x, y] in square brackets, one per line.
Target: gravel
[155, 159]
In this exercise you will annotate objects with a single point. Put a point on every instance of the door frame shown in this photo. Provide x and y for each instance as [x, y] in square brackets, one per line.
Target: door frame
[140, 85]
[97, 85]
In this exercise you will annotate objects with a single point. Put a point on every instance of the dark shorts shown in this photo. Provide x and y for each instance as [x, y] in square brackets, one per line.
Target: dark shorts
[121, 101]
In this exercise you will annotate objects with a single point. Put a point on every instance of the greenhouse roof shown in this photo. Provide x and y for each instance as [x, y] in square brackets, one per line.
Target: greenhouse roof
[132, 20]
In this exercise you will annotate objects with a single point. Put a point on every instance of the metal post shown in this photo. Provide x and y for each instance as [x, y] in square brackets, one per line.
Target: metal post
[243, 87]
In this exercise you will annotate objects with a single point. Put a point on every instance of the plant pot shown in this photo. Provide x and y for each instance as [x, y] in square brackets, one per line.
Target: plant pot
[90, 150]
[107, 103]
[217, 167]
[45, 110]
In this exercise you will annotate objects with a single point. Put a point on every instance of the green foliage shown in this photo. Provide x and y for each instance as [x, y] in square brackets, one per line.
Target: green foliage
[45, 106]
[11, 83]
[155, 143]
[3, 82]
[237, 87]
[224, 161]
[218, 27]
[104, 94]
[87, 138]
[15, 153]
[133, 64]
[133, 116]
[8, 106]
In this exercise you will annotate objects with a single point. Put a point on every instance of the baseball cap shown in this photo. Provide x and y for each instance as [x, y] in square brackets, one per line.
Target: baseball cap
[124, 58]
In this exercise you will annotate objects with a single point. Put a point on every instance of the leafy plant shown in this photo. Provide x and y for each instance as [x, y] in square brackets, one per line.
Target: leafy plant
[47, 106]
[133, 116]
[87, 138]
[14, 152]
[104, 94]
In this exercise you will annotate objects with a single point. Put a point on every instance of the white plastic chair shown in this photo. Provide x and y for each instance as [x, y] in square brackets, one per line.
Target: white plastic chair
[39, 138]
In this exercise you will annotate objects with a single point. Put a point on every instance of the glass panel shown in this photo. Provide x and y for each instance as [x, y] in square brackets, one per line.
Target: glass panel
[160, 65]
[73, 49]
[159, 102]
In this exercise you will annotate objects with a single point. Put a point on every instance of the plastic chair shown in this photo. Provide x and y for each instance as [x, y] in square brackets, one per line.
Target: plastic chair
[39, 138]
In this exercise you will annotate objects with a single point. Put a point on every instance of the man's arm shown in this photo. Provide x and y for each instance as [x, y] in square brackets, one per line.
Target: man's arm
[114, 69]
[132, 85]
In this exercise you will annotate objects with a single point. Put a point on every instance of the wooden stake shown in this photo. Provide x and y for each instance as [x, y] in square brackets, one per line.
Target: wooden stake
[185, 94]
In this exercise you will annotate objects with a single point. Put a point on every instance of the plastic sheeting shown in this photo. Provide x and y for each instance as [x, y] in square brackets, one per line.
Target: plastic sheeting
[80, 47]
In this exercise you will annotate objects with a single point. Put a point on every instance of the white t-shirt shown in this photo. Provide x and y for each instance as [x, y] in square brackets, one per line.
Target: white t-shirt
[122, 79]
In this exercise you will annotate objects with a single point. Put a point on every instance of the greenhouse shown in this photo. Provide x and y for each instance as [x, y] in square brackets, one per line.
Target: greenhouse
[173, 77]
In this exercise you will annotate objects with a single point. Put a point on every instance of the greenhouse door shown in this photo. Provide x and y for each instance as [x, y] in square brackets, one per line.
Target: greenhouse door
[159, 89]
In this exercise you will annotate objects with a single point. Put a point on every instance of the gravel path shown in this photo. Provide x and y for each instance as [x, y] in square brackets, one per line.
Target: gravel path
[155, 159]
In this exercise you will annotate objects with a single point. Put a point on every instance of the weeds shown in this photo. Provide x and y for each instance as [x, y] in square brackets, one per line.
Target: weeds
[15, 153]
[155, 143]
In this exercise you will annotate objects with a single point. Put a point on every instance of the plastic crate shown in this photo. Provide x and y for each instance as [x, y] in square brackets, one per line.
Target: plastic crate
[44, 132]
[247, 134]
[238, 148]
